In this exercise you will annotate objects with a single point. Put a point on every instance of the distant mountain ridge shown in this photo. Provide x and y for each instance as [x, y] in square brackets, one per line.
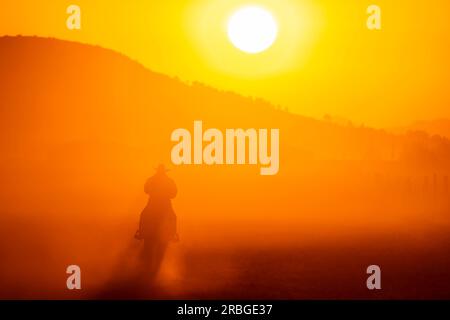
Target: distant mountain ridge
[86, 92]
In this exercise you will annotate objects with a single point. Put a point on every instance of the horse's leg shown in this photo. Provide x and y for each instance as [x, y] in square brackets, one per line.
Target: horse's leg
[160, 250]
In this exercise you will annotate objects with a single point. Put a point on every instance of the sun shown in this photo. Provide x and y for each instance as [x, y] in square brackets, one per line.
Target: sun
[252, 29]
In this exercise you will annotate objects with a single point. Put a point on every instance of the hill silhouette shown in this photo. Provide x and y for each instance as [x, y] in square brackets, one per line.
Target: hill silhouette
[82, 128]
[86, 93]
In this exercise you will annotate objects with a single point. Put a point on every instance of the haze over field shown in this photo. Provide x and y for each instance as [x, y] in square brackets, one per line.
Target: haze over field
[83, 127]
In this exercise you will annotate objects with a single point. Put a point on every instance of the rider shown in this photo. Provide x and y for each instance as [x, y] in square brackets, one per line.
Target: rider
[157, 225]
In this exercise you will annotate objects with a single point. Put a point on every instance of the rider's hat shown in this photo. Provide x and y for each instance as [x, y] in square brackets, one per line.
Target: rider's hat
[161, 168]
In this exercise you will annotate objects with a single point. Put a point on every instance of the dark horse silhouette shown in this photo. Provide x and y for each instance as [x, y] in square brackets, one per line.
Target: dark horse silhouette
[157, 225]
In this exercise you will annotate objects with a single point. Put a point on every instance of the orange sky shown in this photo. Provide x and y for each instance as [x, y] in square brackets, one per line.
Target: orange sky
[325, 61]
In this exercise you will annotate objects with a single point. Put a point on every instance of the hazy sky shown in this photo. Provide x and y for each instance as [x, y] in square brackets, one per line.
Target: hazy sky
[325, 60]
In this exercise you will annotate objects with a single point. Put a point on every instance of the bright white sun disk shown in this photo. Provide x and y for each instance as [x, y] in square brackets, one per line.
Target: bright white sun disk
[252, 29]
